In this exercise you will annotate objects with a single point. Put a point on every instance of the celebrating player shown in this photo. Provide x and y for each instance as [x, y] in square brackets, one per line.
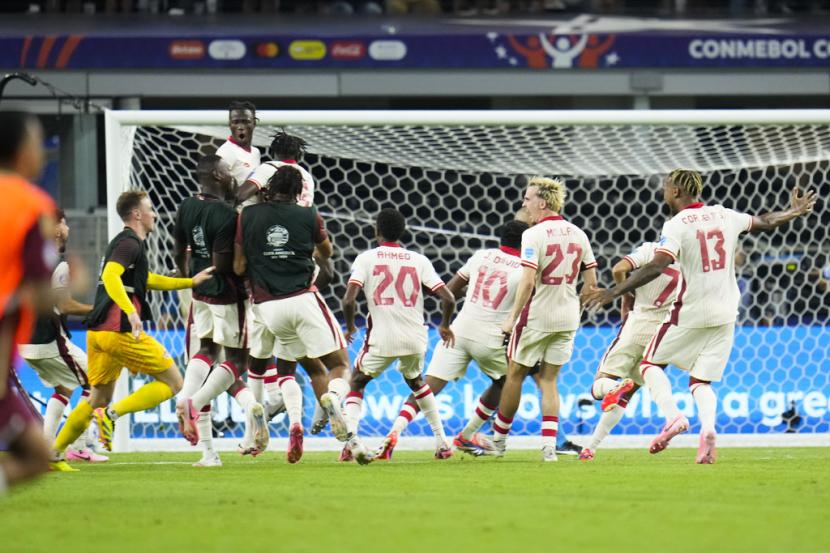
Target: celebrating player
[242, 156]
[618, 375]
[391, 278]
[27, 260]
[490, 278]
[545, 314]
[116, 338]
[285, 149]
[58, 362]
[275, 241]
[206, 224]
[697, 337]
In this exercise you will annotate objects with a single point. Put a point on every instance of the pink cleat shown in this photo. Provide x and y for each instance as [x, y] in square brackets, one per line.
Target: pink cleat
[86, 454]
[387, 447]
[612, 398]
[706, 452]
[295, 443]
[676, 426]
[586, 454]
[346, 455]
[188, 416]
[443, 452]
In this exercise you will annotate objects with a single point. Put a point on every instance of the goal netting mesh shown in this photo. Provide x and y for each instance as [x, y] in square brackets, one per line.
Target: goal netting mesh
[457, 183]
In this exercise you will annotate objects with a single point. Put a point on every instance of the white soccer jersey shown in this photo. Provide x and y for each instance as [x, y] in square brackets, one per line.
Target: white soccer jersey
[242, 160]
[493, 276]
[60, 282]
[391, 278]
[559, 251]
[264, 172]
[653, 300]
[703, 239]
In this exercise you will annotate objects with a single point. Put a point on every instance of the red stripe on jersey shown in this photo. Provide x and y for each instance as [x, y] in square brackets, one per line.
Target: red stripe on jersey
[589, 266]
[678, 303]
[667, 252]
[355, 282]
[437, 287]
[529, 264]
[463, 276]
[652, 346]
[331, 323]
[630, 261]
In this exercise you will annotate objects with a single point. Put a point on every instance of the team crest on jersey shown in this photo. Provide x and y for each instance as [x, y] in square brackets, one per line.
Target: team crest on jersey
[529, 252]
[277, 236]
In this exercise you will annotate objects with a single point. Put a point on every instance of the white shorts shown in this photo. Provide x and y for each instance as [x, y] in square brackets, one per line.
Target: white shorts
[373, 365]
[451, 363]
[224, 325]
[301, 326]
[260, 340]
[623, 356]
[528, 346]
[67, 370]
[703, 352]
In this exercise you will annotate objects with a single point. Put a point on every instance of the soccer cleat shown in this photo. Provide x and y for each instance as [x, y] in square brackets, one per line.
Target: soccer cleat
[105, 427]
[319, 422]
[59, 465]
[345, 455]
[549, 454]
[499, 448]
[612, 398]
[443, 452]
[676, 426]
[477, 445]
[586, 455]
[188, 416]
[273, 408]
[295, 443]
[85, 454]
[706, 452]
[568, 448]
[209, 459]
[248, 449]
[361, 454]
[260, 429]
[331, 405]
[385, 450]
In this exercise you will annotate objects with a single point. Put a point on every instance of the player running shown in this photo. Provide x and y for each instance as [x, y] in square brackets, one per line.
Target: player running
[391, 278]
[58, 362]
[545, 315]
[698, 334]
[275, 241]
[618, 375]
[205, 226]
[116, 338]
[490, 278]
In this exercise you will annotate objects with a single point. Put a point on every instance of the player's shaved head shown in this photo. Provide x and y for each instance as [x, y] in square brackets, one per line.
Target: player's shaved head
[511, 234]
[21, 143]
[286, 146]
[390, 224]
[286, 182]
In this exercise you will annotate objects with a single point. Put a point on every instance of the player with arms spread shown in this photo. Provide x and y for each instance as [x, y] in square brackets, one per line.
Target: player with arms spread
[206, 225]
[545, 315]
[698, 334]
[116, 337]
[391, 278]
[618, 376]
[490, 278]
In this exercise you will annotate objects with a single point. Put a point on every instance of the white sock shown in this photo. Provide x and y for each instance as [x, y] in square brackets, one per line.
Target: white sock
[205, 426]
[194, 375]
[339, 387]
[660, 388]
[602, 386]
[52, 419]
[351, 411]
[245, 398]
[408, 412]
[550, 426]
[256, 383]
[707, 405]
[219, 380]
[501, 427]
[429, 407]
[292, 394]
[481, 414]
[607, 421]
[319, 412]
[272, 386]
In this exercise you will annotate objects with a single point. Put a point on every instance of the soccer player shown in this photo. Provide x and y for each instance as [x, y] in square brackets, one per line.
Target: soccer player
[205, 225]
[490, 277]
[242, 156]
[27, 259]
[697, 337]
[391, 278]
[116, 338]
[545, 314]
[58, 362]
[285, 149]
[618, 376]
[275, 241]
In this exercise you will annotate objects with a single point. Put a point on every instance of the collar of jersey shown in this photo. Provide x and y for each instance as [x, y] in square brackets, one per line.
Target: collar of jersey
[696, 205]
[233, 141]
[209, 196]
[510, 251]
[289, 161]
[389, 245]
[552, 218]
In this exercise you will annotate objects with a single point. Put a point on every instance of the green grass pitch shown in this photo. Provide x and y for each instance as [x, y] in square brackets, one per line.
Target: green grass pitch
[754, 500]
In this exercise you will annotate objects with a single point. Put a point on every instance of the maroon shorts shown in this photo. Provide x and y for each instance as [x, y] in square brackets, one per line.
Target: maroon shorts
[15, 416]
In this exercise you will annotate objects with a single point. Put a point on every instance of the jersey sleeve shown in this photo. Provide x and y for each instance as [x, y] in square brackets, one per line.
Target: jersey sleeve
[588, 259]
[60, 278]
[262, 175]
[429, 276]
[639, 257]
[530, 252]
[741, 222]
[464, 272]
[669, 243]
[359, 271]
[125, 252]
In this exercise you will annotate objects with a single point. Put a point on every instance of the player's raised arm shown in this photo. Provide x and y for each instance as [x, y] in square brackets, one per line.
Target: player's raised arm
[644, 275]
[800, 205]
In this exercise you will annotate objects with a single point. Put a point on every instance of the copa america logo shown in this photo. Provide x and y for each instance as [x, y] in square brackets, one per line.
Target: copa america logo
[199, 237]
[277, 236]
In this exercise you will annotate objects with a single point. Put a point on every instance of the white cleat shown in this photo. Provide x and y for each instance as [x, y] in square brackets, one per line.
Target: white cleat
[260, 428]
[331, 405]
[209, 459]
[549, 454]
[359, 451]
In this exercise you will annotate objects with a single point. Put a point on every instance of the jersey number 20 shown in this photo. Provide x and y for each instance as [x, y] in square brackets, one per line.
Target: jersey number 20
[406, 272]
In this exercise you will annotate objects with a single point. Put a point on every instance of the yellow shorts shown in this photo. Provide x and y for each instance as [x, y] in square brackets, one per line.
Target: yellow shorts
[108, 352]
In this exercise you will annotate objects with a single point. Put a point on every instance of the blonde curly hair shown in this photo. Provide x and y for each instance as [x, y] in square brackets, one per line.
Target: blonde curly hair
[687, 180]
[552, 191]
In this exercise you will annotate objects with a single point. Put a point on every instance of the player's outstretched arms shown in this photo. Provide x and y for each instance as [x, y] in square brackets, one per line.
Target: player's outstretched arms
[161, 282]
[457, 286]
[447, 309]
[349, 306]
[593, 299]
[800, 205]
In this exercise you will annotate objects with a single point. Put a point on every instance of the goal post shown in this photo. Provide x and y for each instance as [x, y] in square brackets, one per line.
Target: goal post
[456, 177]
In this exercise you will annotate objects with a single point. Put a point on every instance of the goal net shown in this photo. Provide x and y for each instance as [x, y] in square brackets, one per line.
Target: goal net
[457, 176]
